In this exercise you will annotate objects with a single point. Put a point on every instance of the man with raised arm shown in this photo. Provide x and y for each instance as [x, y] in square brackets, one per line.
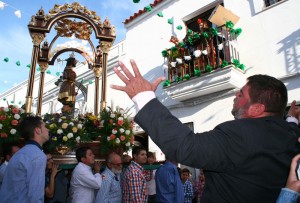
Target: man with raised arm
[245, 160]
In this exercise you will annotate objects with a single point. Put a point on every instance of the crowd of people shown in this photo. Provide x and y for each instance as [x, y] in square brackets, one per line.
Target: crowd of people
[116, 183]
[249, 159]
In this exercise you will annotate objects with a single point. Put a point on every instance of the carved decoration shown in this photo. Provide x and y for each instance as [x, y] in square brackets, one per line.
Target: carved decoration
[67, 27]
[105, 46]
[32, 20]
[113, 31]
[106, 22]
[43, 66]
[37, 38]
[97, 72]
[76, 8]
[40, 12]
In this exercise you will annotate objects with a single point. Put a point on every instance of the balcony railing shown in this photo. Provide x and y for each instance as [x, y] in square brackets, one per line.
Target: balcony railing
[201, 53]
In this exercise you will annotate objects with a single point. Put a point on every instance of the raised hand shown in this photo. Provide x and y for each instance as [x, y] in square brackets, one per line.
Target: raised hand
[294, 110]
[134, 84]
[293, 183]
[54, 169]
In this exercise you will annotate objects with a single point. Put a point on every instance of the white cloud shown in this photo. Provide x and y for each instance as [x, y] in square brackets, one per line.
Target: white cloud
[18, 13]
[2, 5]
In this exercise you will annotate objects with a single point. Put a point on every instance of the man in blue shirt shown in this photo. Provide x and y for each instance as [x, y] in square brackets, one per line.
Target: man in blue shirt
[169, 187]
[24, 179]
[110, 190]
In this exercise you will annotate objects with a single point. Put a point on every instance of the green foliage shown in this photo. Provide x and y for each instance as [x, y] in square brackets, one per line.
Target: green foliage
[197, 72]
[148, 8]
[166, 83]
[187, 76]
[224, 64]
[164, 53]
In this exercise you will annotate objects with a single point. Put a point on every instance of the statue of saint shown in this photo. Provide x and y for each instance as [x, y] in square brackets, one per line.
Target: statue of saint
[67, 93]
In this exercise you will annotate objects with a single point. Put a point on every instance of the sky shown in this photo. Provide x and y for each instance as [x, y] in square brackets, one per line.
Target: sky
[16, 43]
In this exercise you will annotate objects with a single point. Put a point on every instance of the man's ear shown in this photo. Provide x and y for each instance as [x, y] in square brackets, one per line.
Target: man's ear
[37, 130]
[256, 110]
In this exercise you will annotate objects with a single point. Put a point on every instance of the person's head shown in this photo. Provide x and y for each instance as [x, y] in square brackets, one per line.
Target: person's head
[262, 95]
[126, 158]
[85, 155]
[151, 157]
[49, 161]
[34, 128]
[114, 162]
[9, 151]
[71, 62]
[185, 174]
[139, 155]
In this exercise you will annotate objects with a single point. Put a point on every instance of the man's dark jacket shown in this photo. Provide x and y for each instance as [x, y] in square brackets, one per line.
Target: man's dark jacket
[245, 160]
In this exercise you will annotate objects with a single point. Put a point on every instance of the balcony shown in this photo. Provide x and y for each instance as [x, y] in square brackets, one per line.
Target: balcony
[218, 80]
[204, 63]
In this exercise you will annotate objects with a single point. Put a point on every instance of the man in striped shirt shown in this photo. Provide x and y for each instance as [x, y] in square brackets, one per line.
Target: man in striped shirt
[134, 183]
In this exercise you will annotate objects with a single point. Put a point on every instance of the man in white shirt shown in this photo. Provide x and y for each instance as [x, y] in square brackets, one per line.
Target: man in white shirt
[85, 184]
[9, 151]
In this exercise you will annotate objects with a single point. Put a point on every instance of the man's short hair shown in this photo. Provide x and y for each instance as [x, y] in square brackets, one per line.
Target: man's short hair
[81, 153]
[269, 91]
[185, 170]
[137, 150]
[150, 155]
[110, 156]
[27, 126]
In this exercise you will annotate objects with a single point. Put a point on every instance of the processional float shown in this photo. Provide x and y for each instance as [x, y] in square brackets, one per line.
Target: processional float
[43, 54]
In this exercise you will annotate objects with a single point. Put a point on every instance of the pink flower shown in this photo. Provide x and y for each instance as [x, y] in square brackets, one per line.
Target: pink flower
[122, 137]
[112, 136]
[2, 117]
[14, 122]
[120, 122]
[15, 110]
[3, 135]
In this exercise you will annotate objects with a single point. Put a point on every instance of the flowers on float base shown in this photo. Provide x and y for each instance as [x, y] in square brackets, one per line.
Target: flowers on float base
[116, 129]
[9, 119]
[64, 129]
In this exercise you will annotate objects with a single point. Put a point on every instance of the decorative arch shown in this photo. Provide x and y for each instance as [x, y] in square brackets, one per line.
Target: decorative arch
[42, 23]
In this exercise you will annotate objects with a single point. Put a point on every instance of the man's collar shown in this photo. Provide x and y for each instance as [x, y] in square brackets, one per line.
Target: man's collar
[33, 142]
